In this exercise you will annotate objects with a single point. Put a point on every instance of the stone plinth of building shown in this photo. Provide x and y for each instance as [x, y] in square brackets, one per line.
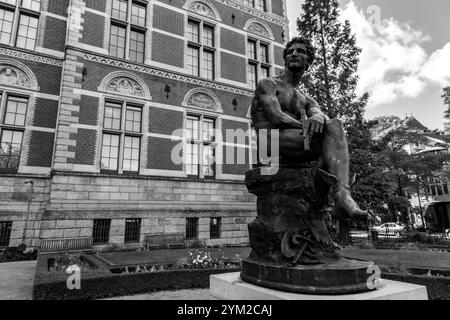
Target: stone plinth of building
[229, 286]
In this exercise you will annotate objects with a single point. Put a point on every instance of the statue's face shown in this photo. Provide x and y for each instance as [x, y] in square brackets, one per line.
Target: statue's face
[297, 58]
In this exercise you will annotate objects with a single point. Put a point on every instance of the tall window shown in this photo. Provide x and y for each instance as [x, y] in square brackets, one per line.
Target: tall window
[191, 228]
[122, 132]
[200, 147]
[19, 22]
[201, 49]
[100, 231]
[132, 230]
[258, 62]
[128, 28]
[258, 4]
[214, 228]
[12, 127]
[5, 233]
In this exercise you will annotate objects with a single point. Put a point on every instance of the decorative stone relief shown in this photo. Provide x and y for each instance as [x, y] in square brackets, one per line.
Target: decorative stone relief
[202, 9]
[126, 86]
[203, 101]
[258, 29]
[12, 76]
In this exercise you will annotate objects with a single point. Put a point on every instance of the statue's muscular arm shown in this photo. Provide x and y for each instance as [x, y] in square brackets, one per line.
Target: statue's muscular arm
[316, 117]
[266, 98]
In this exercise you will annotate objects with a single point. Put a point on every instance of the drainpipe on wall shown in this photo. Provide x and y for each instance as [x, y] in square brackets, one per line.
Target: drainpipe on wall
[30, 198]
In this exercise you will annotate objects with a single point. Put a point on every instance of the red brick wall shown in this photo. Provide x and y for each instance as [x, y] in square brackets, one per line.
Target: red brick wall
[278, 7]
[168, 20]
[99, 5]
[164, 121]
[233, 67]
[58, 7]
[159, 154]
[85, 150]
[235, 168]
[55, 34]
[45, 113]
[89, 110]
[232, 41]
[40, 149]
[168, 50]
[93, 30]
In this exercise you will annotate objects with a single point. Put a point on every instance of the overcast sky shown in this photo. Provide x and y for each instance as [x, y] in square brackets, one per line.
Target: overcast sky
[405, 61]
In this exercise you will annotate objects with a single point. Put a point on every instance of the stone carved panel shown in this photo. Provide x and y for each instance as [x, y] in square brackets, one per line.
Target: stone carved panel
[126, 86]
[258, 29]
[203, 101]
[12, 76]
[202, 9]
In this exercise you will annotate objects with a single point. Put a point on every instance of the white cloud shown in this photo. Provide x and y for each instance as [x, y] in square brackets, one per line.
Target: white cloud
[437, 68]
[393, 63]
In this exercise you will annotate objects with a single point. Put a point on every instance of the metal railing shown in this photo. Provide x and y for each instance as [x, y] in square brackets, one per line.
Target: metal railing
[75, 244]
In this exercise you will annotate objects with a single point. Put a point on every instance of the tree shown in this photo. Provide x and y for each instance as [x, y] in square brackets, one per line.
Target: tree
[332, 79]
[332, 82]
[410, 171]
[446, 97]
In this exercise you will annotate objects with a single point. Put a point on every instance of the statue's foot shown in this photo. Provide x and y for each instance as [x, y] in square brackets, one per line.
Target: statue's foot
[346, 207]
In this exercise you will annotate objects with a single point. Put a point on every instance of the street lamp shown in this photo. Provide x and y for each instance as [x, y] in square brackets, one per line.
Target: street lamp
[30, 198]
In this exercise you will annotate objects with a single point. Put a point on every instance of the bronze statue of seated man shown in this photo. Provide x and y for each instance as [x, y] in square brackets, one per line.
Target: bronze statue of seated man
[305, 132]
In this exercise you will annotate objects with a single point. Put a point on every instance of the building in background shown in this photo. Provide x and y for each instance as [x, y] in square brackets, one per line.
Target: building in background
[93, 96]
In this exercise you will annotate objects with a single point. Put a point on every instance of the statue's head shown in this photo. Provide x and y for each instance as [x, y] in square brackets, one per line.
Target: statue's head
[303, 45]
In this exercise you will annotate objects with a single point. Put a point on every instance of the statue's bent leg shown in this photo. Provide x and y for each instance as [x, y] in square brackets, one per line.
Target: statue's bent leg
[292, 147]
[336, 161]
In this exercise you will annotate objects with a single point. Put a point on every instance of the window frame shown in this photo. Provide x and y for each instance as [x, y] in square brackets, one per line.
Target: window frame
[261, 66]
[107, 234]
[215, 233]
[255, 4]
[202, 143]
[7, 227]
[129, 223]
[203, 48]
[122, 133]
[130, 27]
[4, 95]
[196, 227]
[18, 11]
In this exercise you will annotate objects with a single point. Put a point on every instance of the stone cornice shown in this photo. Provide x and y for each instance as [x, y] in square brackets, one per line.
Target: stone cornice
[166, 74]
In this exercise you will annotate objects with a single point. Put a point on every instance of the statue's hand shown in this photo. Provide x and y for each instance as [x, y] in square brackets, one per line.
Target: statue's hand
[315, 124]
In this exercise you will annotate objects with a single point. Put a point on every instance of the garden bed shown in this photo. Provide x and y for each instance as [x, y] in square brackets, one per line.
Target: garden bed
[13, 254]
[99, 280]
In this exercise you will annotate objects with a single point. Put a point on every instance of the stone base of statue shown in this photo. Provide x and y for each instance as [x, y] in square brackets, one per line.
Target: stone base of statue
[291, 246]
[340, 277]
[229, 286]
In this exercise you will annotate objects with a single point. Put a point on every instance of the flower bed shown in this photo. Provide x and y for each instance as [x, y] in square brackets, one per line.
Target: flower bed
[102, 281]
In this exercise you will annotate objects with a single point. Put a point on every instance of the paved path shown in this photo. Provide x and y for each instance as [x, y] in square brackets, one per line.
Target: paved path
[16, 280]
[198, 294]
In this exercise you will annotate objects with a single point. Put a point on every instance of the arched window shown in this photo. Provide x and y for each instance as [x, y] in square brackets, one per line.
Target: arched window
[201, 33]
[259, 56]
[122, 122]
[201, 126]
[14, 109]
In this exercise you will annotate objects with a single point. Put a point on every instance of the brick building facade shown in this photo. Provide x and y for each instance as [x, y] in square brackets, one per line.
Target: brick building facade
[93, 96]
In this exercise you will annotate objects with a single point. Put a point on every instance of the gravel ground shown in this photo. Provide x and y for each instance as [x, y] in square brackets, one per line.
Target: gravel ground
[199, 294]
